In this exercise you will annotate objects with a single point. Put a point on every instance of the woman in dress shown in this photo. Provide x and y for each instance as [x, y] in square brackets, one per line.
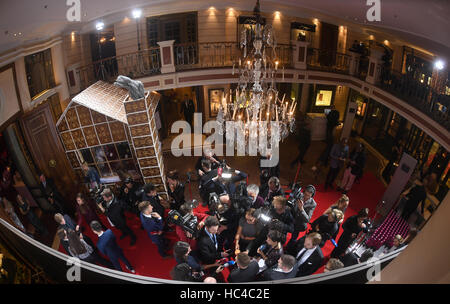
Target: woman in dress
[85, 211]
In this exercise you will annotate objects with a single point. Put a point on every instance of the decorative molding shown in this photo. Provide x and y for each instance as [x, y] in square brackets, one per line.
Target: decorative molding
[11, 56]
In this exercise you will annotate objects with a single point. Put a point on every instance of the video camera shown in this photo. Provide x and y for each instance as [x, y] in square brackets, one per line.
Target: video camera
[223, 171]
[263, 215]
[369, 224]
[188, 222]
[240, 201]
[295, 195]
[217, 208]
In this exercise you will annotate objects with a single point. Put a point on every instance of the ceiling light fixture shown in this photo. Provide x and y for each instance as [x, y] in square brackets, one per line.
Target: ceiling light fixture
[439, 64]
[137, 13]
[99, 25]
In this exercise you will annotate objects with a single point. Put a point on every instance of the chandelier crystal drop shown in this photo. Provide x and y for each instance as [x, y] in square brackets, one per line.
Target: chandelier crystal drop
[256, 101]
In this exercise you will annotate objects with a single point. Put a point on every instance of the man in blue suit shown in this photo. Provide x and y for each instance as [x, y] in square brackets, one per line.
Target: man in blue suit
[107, 246]
[153, 224]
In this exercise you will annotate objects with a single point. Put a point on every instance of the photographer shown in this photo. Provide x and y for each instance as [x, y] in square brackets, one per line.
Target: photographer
[247, 231]
[175, 190]
[211, 157]
[149, 194]
[273, 224]
[271, 189]
[352, 227]
[279, 217]
[228, 227]
[229, 184]
[185, 236]
[129, 195]
[327, 225]
[252, 192]
[153, 224]
[282, 212]
[209, 181]
[267, 172]
[303, 211]
[114, 210]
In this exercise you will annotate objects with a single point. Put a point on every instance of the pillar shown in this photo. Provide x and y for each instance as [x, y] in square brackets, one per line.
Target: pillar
[144, 136]
[59, 72]
[299, 54]
[375, 62]
[167, 60]
[354, 63]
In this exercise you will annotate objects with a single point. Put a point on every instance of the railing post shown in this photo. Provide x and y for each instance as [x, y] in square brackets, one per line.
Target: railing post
[354, 63]
[373, 73]
[299, 54]
[167, 60]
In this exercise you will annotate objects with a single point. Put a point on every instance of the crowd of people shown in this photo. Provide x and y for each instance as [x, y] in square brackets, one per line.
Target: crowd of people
[242, 226]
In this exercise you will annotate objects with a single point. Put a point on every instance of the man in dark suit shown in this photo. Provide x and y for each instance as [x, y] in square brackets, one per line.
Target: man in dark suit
[271, 189]
[153, 224]
[188, 109]
[246, 270]
[286, 269]
[150, 195]
[52, 194]
[107, 246]
[129, 195]
[114, 209]
[208, 247]
[309, 256]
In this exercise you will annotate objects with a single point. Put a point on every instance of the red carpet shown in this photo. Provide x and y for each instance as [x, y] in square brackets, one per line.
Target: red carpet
[145, 258]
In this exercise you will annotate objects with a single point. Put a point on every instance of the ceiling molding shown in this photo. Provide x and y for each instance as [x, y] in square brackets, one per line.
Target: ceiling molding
[13, 55]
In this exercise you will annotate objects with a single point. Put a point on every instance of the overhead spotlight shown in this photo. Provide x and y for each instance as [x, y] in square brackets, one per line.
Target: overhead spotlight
[439, 64]
[99, 26]
[137, 13]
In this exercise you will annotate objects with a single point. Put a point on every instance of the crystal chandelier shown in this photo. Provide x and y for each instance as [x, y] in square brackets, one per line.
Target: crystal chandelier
[255, 106]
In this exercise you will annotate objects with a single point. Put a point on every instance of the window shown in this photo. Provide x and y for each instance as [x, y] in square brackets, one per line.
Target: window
[110, 160]
[39, 70]
[179, 27]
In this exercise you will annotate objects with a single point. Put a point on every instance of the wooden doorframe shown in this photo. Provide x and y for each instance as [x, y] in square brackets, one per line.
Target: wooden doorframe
[68, 189]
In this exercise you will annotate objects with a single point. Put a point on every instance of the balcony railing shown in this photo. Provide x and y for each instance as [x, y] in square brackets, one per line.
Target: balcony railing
[190, 56]
[417, 94]
[219, 54]
[327, 60]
